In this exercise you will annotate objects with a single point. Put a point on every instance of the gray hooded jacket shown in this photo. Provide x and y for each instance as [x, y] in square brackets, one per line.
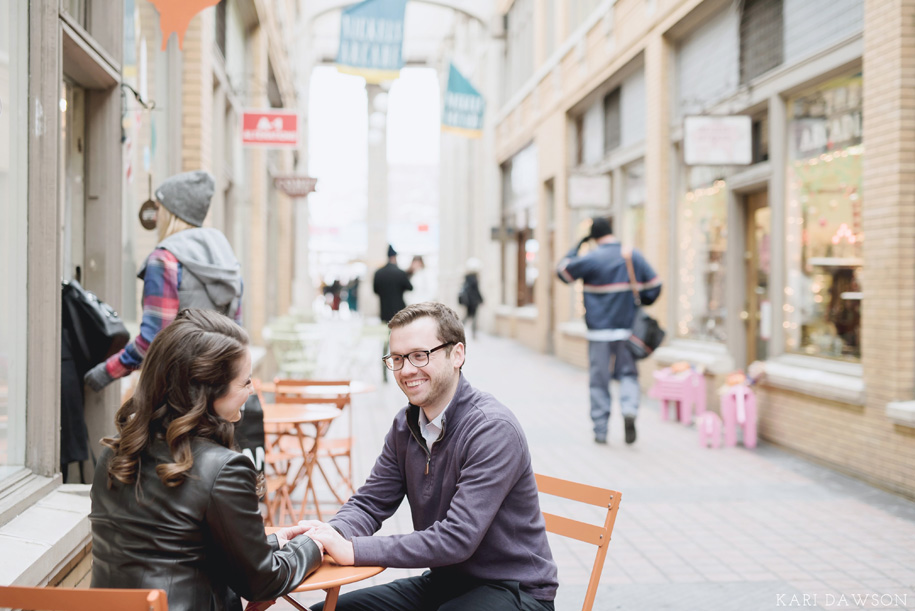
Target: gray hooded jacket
[210, 275]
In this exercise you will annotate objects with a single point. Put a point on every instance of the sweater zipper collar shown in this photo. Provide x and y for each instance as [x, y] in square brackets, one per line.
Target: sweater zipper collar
[420, 439]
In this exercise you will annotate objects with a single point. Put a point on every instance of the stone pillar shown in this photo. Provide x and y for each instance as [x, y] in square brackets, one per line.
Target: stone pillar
[377, 213]
[303, 289]
[659, 201]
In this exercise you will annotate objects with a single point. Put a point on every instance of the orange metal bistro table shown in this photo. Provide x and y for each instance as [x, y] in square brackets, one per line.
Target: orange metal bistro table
[297, 416]
[329, 577]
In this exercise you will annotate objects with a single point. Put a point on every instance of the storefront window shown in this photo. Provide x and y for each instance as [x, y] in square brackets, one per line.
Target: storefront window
[13, 210]
[824, 235]
[519, 219]
[634, 205]
[703, 234]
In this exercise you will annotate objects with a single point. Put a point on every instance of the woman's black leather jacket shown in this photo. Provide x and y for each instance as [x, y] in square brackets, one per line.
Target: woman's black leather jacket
[199, 541]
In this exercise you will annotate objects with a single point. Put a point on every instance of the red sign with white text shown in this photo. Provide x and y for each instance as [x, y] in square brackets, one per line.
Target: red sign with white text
[270, 128]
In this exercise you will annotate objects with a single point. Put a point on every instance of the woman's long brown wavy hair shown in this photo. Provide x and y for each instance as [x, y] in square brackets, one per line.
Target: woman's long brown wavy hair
[189, 364]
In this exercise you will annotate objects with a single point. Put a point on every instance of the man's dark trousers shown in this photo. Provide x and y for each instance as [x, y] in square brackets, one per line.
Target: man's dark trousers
[437, 592]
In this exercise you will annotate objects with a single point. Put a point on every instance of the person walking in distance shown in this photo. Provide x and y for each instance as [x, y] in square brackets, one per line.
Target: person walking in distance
[390, 283]
[461, 459]
[609, 314]
[191, 267]
[470, 296]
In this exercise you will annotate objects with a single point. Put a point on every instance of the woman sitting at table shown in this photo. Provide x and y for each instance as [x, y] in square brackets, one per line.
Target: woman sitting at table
[174, 506]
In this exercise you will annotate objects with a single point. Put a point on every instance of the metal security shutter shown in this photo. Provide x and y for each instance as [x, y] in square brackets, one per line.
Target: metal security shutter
[761, 36]
[612, 134]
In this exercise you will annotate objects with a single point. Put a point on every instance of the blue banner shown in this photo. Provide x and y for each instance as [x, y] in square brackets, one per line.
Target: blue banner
[371, 40]
[464, 106]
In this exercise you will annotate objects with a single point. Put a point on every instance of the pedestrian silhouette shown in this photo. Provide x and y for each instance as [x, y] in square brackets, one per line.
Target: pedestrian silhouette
[609, 313]
[390, 283]
[470, 296]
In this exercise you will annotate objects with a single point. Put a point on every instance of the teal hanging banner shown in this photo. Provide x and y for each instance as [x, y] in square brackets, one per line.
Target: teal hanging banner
[371, 40]
[464, 106]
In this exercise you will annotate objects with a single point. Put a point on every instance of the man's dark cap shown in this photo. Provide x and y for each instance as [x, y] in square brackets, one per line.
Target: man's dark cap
[391, 251]
[600, 226]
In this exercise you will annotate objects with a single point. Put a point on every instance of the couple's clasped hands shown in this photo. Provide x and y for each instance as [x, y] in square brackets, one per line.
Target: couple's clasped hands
[329, 540]
[324, 535]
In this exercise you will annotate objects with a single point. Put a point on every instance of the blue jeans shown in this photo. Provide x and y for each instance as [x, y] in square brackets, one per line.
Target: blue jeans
[611, 360]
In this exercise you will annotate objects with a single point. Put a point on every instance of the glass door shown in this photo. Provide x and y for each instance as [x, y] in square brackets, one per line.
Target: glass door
[759, 316]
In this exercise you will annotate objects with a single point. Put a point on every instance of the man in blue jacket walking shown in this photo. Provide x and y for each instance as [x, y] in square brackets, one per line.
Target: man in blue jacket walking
[462, 460]
[609, 313]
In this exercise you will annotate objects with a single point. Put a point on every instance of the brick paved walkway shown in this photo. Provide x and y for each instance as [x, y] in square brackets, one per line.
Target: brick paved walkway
[697, 528]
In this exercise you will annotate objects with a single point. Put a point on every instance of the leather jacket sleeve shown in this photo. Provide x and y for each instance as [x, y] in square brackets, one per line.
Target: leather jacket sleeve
[254, 567]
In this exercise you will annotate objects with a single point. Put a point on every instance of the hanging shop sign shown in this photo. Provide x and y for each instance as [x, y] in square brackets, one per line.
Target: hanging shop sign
[270, 129]
[718, 140]
[295, 185]
[589, 191]
[371, 40]
[464, 106]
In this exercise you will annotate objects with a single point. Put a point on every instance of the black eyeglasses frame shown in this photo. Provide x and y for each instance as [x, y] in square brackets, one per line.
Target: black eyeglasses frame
[386, 359]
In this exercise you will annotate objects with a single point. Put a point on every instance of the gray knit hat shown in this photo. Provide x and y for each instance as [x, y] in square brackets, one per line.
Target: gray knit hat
[187, 195]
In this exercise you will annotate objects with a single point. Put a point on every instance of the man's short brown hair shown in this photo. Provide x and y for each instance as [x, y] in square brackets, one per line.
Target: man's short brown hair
[450, 329]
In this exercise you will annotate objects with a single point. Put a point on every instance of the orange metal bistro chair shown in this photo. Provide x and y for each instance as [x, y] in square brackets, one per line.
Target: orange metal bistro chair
[334, 448]
[583, 531]
[278, 500]
[82, 599]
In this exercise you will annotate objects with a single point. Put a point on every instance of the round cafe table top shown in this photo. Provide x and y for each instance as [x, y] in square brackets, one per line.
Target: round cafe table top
[355, 387]
[291, 413]
[332, 575]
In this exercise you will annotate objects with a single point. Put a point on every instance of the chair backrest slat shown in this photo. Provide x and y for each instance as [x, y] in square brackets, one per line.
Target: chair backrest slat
[82, 599]
[582, 531]
[588, 533]
[574, 491]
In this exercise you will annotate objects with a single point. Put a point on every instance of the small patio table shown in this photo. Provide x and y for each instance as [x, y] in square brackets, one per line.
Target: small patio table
[297, 416]
[329, 577]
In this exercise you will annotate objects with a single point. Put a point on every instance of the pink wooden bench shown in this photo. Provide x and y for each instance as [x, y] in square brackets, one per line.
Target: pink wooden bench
[686, 389]
[738, 408]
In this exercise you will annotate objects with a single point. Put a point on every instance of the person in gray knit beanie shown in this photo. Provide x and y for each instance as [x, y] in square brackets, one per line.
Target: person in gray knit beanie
[191, 267]
[187, 195]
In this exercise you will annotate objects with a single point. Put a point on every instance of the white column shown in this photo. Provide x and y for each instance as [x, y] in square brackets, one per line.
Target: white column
[377, 213]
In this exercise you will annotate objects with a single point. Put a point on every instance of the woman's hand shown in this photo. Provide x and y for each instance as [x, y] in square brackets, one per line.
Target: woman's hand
[334, 544]
[283, 535]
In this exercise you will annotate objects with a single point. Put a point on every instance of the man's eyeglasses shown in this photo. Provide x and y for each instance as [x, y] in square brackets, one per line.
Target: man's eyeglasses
[417, 358]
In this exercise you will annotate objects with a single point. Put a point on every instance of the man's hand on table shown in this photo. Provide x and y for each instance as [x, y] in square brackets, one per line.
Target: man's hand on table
[334, 544]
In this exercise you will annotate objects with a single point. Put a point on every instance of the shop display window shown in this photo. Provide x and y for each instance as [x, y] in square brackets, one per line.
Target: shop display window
[824, 236]
[702, 238]
[520, 247]
[13, 210]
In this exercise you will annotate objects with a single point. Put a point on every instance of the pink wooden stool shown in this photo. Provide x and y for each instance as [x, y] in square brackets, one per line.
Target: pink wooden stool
[738, 408]
[686, 389]
[709, 425]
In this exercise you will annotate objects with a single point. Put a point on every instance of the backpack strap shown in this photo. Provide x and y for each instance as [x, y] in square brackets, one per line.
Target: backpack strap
[627, 256]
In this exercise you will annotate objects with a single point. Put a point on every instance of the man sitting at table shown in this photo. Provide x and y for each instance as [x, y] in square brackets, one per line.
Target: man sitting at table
[462, 460]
